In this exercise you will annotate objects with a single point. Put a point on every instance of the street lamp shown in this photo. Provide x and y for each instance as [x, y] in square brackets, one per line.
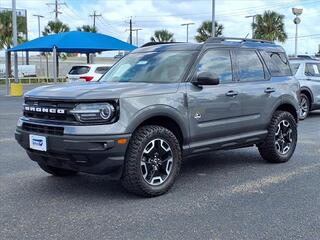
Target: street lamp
[297, 12]
[187, 24]
[253, 21]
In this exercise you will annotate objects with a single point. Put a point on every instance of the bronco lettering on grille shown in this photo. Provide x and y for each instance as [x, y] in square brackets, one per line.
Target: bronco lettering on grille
[44, 110]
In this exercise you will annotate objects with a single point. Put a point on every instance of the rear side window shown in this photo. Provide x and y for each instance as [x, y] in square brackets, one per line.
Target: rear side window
[102, 70]
[295, 67]
[217, 62]
[250, 66]
[312, 69]
[78, 70]
[278, 64]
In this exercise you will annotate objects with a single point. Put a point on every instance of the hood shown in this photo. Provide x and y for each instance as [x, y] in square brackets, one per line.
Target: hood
[100, 90]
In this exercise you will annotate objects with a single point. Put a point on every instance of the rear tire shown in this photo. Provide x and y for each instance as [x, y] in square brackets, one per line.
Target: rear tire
[304, 106]
[153, 161]
[56, 171]
[281, 140]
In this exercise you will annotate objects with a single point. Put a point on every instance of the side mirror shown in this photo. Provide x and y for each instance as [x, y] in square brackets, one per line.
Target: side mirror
[206, 78]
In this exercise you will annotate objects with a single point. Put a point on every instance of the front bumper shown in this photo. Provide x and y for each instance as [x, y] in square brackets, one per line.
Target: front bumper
[89, 154]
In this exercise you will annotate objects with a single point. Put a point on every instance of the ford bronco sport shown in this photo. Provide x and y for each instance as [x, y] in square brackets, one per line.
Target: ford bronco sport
[161, 103]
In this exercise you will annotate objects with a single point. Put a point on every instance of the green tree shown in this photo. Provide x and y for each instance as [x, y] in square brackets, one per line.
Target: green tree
[6, 35]
[87, 28]
[54, 27]
[270, 26]
[205, 31]
[162, 36]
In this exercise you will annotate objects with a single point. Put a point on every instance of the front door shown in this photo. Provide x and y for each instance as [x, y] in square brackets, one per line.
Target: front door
[214, 111]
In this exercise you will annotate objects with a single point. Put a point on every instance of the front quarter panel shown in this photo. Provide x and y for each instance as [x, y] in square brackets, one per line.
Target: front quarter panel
[135, 110]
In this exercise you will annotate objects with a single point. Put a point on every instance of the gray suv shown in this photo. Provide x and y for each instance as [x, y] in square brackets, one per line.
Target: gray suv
[161, 103]
[307, 71]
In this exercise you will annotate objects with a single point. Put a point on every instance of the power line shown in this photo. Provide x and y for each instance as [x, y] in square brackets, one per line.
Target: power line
[56, 5]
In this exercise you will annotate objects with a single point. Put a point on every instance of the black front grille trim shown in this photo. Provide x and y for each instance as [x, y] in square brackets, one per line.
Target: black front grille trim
[50, 130]
[68, 117]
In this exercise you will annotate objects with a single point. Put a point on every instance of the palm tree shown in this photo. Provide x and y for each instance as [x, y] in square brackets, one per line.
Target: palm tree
[87, 28]
[6, 35]
[205, 31]
[270, 26]
[162, 36]
[54, 27]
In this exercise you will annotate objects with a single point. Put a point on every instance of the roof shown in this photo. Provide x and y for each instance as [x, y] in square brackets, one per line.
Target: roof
[74, 42]
[303, 60]
[216, 42]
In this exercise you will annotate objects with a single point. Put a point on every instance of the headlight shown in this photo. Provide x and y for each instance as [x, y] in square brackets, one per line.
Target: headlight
[94, 112]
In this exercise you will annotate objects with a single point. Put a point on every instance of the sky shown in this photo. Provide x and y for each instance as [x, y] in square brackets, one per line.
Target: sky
[151, 15]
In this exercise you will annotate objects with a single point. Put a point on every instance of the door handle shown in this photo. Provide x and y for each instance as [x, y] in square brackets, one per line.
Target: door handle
[231, 93]
[269, 90]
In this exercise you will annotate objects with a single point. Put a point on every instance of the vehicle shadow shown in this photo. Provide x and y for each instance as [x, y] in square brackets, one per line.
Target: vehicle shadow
[314, 114]
[96, 187]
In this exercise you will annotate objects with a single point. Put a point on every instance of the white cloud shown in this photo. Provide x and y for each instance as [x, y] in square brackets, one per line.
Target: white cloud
[158, 14]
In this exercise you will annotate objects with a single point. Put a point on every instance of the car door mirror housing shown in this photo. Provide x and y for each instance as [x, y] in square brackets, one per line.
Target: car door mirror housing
[206, 78]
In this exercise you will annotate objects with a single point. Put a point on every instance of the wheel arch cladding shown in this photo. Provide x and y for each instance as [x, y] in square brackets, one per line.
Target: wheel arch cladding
[164, 116]
[288, 107]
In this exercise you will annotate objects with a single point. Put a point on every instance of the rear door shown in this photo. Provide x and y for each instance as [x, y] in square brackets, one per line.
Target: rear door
[214, 111]
[257, 93]
[312, 72]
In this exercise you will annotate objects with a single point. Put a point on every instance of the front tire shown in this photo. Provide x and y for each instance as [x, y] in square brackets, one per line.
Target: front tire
[281, 140]
[304, 106]
[153, 161]
[56, 171]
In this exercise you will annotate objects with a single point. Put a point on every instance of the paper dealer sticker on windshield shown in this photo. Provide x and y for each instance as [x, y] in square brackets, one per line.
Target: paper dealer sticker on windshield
[142, 62]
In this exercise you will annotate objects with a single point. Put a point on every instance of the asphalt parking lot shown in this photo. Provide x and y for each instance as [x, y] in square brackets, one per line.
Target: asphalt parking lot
[222, 195]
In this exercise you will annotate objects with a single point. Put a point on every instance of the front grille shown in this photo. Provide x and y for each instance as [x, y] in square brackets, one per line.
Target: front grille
[42, 129]
[68, 117]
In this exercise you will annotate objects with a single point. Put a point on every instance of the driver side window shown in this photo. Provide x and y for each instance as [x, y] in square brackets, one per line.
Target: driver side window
[217, 63]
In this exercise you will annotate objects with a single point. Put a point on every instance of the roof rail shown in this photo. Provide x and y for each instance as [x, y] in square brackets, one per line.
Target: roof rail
[155, 43]
[221, 39]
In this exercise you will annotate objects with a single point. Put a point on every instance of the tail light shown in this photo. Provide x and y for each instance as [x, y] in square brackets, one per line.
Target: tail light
[87, 78]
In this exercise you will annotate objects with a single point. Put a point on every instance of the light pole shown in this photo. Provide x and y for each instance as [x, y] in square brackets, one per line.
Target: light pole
[137, 36]
[187, 24]
[297, 12]
[213, 34]
[15, 39]
[39, 32]
[253, 21]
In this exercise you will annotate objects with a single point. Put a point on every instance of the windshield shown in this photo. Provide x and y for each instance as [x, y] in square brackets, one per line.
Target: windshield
[295, 67]
[151, 67]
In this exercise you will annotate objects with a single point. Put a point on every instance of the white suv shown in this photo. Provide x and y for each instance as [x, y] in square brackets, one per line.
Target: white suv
[87, 73]
[307, 71]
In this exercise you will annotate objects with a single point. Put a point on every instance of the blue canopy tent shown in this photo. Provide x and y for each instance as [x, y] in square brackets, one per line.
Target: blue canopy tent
[73, 42]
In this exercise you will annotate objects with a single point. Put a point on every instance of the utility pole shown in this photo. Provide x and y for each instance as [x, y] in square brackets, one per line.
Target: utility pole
[39, 33]
[137, 37]
[56, 5]
[213, 34]
[15, 39]
[187, 24]
[130, 29]
[95, 15]
[253, 21]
